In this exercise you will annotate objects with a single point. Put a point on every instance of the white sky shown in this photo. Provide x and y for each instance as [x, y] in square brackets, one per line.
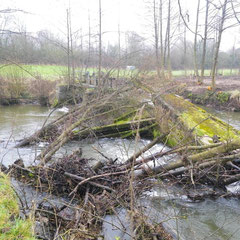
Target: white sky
[51, 15]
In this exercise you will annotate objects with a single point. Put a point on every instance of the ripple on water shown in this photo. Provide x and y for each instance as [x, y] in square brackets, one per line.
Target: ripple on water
[209, 219]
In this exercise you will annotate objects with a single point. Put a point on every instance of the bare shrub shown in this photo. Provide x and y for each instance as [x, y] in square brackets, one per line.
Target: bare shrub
[42, 89]
[15, 83]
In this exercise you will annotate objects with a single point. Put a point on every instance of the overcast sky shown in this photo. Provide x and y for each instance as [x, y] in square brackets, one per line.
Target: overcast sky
[51, 15]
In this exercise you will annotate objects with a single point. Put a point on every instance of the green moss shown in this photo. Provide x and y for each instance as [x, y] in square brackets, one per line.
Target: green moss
[199, 122]
[11, 226]
[223, 97]
[55, 103]
[205, 124]
[144, 132]
[177, 134]
[156, 133]
[132, 115]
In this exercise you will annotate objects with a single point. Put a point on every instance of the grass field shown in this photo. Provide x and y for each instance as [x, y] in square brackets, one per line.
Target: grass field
[28, 71]
[55, 71]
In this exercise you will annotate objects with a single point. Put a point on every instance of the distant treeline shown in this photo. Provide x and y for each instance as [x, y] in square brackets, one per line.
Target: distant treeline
[45, 48]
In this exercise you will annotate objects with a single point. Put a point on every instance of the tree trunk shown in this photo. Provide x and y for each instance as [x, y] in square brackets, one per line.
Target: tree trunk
[199, 158]
[161, 39]
[98, 82]
[195, 43]
[204, 42]
[156, 42]
[168, 41]
[221, 29]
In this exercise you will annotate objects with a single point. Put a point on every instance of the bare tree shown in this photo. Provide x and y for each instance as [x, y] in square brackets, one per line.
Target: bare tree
[119, 52]
[204, 42]
[185, 46]
[100, 44]
[223, 9]
[195, 43]
[70, 54]
[156, 38]
[168, 41]
[68, 49]
[235, 5]
[161, 36]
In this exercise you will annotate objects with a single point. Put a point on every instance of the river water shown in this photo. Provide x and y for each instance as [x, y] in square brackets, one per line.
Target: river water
[209, 219]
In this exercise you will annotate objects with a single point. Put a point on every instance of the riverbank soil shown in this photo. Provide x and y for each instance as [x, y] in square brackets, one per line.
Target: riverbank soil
[225, 97]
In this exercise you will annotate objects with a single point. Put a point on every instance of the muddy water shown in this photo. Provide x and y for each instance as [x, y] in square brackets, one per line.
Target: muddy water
[209, 219]
[16, 122]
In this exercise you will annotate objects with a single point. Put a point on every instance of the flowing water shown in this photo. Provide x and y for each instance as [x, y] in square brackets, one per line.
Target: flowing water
[209, 219]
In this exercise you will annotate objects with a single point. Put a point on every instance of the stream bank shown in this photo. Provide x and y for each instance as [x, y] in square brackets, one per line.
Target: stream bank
[221, 100]
[225, 97]
[125, 144]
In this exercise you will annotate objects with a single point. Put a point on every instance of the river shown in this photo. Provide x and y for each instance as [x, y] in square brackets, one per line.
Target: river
[209, 219]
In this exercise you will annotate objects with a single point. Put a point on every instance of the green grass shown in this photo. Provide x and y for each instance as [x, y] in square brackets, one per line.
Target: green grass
[30, 71]
[50, 71]
[55, 71]
[11, 226]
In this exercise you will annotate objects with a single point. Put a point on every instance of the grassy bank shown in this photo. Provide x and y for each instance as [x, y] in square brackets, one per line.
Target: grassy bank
[55, 71]
[25, 82]
[12, 227]
[31, 71]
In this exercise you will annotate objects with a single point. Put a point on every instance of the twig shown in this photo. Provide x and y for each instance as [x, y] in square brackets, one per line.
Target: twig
[84, 181]
[146, 148]
[109, 159]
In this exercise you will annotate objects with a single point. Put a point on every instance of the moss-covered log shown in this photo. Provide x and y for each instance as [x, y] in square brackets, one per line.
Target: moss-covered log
[118, 129]
[189, 123]
[12, 227]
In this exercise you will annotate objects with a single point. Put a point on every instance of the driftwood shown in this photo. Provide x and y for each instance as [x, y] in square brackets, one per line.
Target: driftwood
[146, 148]
[46, 155]
[197, 158]
[90, 182]
[178, 123]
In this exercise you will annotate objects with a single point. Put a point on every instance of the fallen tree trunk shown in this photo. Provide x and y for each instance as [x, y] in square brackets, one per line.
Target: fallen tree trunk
[72, 116]
[116, 129]
[199, 158]
[232, 179]
[66, 134]
[188, 123]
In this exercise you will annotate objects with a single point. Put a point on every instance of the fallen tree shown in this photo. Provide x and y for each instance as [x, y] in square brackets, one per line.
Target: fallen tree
[204, 151]
[188, 123]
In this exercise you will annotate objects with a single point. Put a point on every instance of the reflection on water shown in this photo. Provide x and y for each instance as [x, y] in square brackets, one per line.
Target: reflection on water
[209, 219]
[17, 122]
[20, 121]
